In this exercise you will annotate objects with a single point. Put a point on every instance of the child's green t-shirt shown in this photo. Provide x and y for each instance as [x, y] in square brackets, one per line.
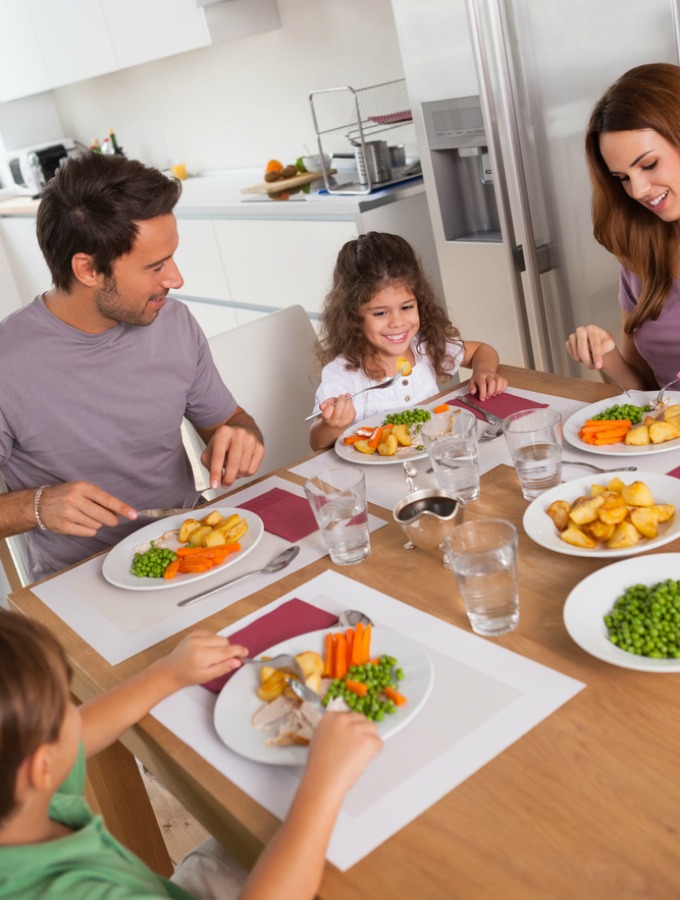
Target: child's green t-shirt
[90, 864]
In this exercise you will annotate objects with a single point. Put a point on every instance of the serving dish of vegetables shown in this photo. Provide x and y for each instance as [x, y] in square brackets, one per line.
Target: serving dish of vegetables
[628, 614]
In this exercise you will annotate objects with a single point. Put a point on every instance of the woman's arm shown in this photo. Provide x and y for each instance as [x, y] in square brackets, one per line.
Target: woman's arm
[483, 360]
[596, 349]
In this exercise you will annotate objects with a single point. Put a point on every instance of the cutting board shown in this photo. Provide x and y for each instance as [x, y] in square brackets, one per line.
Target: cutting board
[283, 184]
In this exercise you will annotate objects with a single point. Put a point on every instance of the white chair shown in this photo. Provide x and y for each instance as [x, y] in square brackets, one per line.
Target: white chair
[270, 367]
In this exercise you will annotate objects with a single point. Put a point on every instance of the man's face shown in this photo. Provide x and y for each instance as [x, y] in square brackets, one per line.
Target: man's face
[136, 291]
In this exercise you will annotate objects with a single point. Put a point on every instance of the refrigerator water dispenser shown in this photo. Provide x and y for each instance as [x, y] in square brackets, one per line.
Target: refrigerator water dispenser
[462, 169]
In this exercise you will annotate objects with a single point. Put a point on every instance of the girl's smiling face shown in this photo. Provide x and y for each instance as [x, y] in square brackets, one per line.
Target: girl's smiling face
[390, 322]
[647, 166]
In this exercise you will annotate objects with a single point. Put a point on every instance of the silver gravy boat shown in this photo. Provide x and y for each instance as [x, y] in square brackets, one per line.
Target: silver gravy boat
[427, 517]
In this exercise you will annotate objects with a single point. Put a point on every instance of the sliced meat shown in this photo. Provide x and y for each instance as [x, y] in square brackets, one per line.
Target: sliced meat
[271, 713]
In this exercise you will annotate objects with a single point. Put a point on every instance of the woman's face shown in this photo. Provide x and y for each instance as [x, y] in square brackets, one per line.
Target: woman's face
[647, 166]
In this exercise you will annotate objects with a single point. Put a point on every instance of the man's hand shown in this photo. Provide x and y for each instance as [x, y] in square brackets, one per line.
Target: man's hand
[81, 508]
[234, 449]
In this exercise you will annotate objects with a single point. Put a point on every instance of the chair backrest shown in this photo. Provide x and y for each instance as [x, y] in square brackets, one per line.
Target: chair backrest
[13, 555]
[269, 366]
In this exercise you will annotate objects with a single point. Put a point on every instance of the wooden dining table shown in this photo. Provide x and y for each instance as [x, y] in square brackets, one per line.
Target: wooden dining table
[586, 804]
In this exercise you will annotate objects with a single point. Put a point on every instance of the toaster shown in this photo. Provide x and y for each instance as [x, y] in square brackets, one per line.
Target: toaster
[32, 167]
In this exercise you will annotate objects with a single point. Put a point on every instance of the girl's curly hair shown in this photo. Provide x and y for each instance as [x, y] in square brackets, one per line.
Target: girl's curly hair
[365, 266]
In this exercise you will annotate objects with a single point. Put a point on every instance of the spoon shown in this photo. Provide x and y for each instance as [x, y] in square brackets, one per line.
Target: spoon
[350, 617]
[373, 387]
[275, 565]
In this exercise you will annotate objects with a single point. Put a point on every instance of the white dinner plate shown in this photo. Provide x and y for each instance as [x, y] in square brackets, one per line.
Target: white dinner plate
[540, 527]
[118, 562]
[640, 398]
[238, 701]
[594, 597]
[348, 453]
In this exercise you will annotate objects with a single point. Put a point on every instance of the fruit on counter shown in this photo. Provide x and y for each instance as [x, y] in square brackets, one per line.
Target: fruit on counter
[273, 166]
[271, 176]
[289, 172]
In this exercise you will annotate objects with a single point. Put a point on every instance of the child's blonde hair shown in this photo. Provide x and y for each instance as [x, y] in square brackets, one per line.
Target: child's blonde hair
[34, 693]
[365, 266]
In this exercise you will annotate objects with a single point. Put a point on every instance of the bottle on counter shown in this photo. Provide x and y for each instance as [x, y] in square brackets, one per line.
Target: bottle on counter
[114, 143]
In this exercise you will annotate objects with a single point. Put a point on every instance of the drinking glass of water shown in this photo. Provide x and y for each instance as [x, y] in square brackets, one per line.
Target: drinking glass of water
[450, 439]
[483, 557]
[338, 501]
[534, 438]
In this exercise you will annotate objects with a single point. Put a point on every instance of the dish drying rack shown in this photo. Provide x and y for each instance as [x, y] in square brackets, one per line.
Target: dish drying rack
[358, 114]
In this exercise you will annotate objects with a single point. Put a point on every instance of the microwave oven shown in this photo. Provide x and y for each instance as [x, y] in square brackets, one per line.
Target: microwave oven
[32, 167]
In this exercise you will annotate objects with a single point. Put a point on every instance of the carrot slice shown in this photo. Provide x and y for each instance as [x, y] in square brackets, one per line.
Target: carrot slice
[187, 568]
[358, 645]
[357, 687]
[349, 635]
[366, 653]
[171, 569]
[328, 656]
[352, 439]
[341, 662]
[394, 695]
[444, 407]
[377, 434]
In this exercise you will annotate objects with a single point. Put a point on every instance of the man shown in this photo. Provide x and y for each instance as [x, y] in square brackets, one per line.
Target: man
[97, 373]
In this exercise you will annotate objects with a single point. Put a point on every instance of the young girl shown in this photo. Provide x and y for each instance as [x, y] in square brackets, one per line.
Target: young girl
[381, 317]
[51, 845]
[633, 153]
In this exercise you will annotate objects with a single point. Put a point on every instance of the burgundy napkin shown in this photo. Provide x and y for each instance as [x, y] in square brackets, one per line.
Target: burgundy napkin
[674, 473]
[283, 513]
[501, 405]
[287, 621]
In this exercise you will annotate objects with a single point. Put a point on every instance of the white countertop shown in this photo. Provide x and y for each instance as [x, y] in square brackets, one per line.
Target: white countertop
[218, 196]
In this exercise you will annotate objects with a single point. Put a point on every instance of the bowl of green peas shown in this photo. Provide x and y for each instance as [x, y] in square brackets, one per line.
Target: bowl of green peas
[628, 614]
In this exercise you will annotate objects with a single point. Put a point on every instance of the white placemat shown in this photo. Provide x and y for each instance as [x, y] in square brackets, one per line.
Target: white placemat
[119, 623]
[484, 698]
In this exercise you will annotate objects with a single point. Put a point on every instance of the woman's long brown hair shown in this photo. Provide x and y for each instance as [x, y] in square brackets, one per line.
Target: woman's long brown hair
[364, 266]
[645, 97]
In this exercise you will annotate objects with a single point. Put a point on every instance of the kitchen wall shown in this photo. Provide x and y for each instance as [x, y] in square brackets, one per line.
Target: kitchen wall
[238, 103]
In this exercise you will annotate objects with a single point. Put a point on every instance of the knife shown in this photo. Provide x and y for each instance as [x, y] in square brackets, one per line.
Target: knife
[490, 417]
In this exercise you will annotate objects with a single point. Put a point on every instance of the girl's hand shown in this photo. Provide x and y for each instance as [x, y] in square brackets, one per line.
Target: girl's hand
[589, 344]
[487, 383]
[338, 412]
[202, 656]
[343, 745]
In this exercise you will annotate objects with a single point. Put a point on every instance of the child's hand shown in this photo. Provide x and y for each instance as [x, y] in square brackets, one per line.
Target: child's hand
[487, 383]
[202, 656]
[343, 745]
[338, 412]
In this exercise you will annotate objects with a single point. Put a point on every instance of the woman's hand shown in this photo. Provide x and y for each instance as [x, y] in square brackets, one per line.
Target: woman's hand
[487, 383]
[589, 344]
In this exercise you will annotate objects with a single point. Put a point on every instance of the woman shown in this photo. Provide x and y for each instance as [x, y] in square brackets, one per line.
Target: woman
[633, 152]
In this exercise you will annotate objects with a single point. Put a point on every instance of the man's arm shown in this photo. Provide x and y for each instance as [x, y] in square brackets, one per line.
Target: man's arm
[76, 507]
[235, 448]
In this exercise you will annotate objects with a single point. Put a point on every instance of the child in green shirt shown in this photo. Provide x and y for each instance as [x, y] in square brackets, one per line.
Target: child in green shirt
[51, 844]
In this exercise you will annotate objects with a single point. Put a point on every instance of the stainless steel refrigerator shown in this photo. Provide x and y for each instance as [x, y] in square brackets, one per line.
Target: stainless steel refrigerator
[501, 92]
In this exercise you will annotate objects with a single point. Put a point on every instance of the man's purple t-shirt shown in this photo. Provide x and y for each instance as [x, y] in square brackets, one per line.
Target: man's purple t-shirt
[105, 408]
[657, 340]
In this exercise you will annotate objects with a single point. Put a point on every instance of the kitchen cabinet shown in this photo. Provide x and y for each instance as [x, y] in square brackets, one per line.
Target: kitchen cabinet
[48, 43]
[281, 262]
[28, 265]
[74, 39]
[10, 299]
[144, 31]
[22, 67]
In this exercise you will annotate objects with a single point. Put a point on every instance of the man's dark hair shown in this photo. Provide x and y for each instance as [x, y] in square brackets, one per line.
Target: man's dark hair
[92, 206]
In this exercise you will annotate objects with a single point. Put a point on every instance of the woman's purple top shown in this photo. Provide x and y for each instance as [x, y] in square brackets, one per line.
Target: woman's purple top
[657, 340]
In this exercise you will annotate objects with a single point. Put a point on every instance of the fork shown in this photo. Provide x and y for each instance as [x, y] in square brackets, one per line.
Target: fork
[492, 433]
[372, 387]
[290, 665]
[585, 465]
[658, 400]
